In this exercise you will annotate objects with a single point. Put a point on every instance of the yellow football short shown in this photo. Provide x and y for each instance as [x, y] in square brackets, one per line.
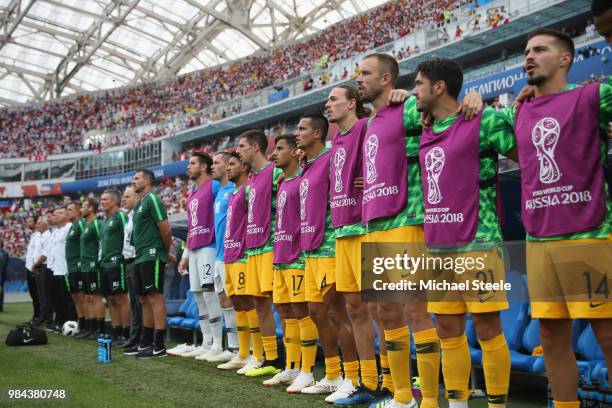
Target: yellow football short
[348, 263]
[235, 278]
[411, 237]
[260, 274]
[477, 298]
[570, 278]
[289, 286]
[320, 275]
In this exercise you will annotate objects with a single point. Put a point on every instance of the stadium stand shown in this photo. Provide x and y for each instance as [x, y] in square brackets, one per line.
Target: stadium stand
[62, 126]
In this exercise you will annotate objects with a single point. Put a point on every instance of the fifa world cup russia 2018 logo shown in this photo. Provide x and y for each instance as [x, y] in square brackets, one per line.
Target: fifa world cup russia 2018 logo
[434, 163]
[193, 209]
[228, 222]
[252, 194]
[339, 159]
[303, 196]
[371, 148]
[282, 199]
[545, 135]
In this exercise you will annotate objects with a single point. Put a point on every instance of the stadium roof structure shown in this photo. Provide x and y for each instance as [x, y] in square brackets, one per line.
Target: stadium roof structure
[53, 48]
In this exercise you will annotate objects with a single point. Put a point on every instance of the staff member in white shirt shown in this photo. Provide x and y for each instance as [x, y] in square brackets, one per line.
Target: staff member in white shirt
[43, 275]
[129, 201]
[60, 293]
[32, 289]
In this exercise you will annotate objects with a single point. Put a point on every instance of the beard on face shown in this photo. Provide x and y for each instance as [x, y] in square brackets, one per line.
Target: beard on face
[536, 80]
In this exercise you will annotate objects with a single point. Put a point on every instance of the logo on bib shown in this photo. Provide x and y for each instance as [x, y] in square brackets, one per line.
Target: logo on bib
[282, 199]
[252, 194]
[545, 135]
[228, 222]
[193, 209]
[434, 163]
[371, 149]
[339, 159]
[303, 196]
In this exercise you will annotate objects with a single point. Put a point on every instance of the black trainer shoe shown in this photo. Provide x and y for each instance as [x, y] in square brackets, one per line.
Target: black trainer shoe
[152, 352]
[120, 342]
[83, 334]
[134, 350]
[51, 327]
[93, 336]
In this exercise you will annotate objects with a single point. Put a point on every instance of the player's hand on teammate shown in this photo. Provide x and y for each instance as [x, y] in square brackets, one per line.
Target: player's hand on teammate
[358, 183]
[182, 268]
[471, 105]
[526, 93]
[397, 96]
[426, 120]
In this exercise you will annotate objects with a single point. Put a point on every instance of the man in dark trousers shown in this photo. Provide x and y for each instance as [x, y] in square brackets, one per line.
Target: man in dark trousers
[4, 259]
[32, 289]
[130, 199]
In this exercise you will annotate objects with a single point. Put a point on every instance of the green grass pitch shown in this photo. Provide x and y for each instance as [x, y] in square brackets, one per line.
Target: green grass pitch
[71, 365]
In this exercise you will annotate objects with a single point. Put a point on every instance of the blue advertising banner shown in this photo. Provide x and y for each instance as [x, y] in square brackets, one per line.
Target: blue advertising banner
[512, 80]
[121, 180]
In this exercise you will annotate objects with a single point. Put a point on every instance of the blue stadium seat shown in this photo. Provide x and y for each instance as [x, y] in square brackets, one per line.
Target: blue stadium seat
[588, 347]
[175, 321]
[192, 318]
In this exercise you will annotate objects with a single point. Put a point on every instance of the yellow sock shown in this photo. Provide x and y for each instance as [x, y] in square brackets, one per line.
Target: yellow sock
[387, 381]
[308, 341]
[456, 366]
[496, 367]
[244, 335]
[270, 347]
[351, 371]
[567, 404]
[428, 362]
[332, 368]
[255, 334]
[398, 352]
[292, 343]
[369, 374]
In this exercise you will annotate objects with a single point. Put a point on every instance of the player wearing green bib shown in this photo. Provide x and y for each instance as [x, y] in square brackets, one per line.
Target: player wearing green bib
[114, 285]
[152, 238]
[90, 246]
[73, 261]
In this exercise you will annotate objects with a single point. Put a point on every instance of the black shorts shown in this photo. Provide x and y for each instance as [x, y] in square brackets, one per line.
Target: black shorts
[91, 282]
[113, 280]
[149, 277]
[75, 282]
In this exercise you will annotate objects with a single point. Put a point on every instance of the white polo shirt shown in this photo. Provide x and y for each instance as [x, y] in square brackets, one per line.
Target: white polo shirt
[31, 251]
[129, 252]
[42, 243]
[60, 267]
[48, 249]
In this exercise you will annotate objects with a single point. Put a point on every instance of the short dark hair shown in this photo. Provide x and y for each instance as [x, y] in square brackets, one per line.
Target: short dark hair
[387, 64]
[204, 158]
[318, 122]
[226, 155]
[600, 7]
[147, 174]
[235, 155]
[77, 204]
[443, 69]
[256, 137]
[93, 203]
[564, 41]
[290, 139]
